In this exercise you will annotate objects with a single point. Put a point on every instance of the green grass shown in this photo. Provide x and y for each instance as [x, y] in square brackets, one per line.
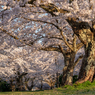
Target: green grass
[86, 88]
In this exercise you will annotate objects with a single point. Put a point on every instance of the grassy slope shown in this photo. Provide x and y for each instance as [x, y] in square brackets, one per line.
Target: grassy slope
[86, 88]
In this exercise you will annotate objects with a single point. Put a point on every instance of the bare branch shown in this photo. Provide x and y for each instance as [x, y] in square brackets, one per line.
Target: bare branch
[50, 48]
[15, 37]
[45, 37]
[51, 8]
[61, 32]
[76, 62]
[79, 46]
[62, 50]
[39, 21]
[66, 41]
[74, 43]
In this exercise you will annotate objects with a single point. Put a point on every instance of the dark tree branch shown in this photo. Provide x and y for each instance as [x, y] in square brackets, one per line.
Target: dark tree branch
[61, 32]
[50, 48]
[76, 62]
[51, 8]
[78, 27]
[62, 50]
[10, 34]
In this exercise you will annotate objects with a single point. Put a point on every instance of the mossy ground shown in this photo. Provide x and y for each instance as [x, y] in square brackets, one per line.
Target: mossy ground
[86, 88]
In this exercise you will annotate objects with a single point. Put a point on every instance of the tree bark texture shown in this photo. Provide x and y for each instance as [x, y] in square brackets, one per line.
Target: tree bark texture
[87, 70]
[86, 35]
[68, 69]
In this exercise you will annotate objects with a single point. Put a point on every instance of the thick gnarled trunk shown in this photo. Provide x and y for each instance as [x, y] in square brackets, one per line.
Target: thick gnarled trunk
[86, 34]
[87, 70]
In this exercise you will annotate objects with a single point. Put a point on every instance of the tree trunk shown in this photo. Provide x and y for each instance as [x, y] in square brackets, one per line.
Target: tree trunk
[87, 70]
[13, 88]
[29, 87]
[41, 88]
[51, 87]
[67, 77]
[68, 69]
[57, 79]
[86, 34]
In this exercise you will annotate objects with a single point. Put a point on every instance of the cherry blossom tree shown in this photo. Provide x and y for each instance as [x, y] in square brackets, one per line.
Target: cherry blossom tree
[80, 16]
[53, 25]
[24, 39]
[23, 69]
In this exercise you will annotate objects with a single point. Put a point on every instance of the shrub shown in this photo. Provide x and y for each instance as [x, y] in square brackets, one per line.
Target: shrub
[4, 86]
